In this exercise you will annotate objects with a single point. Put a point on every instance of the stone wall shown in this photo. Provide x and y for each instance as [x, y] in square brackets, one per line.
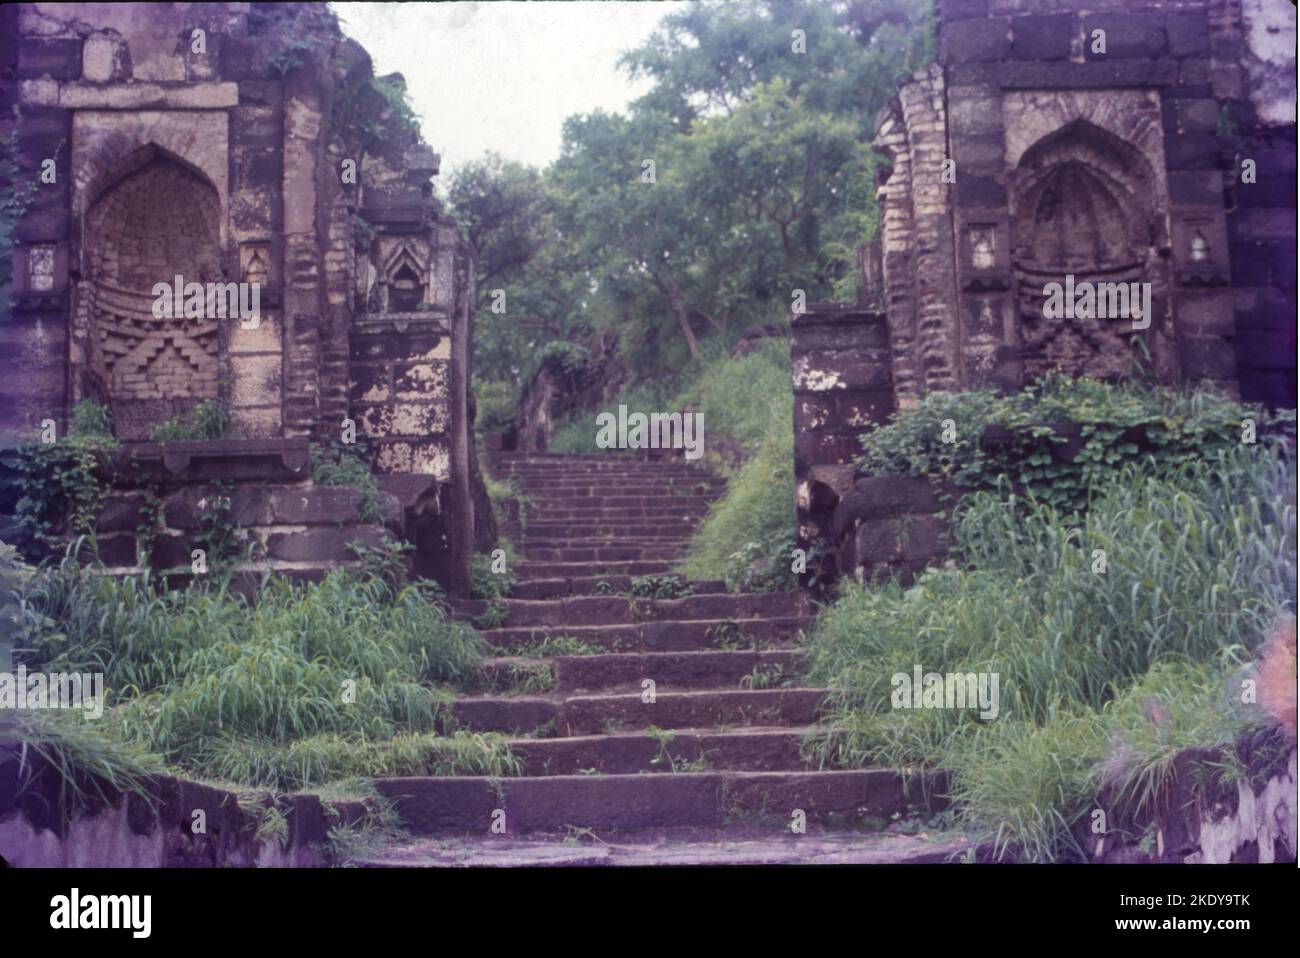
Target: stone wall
[168, 500]
[233, 142]
[1027, 152]
[157, 829]
[839, 356]
[1202, 820]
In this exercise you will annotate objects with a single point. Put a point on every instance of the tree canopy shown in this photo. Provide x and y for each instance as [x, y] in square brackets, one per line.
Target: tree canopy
[744, 174]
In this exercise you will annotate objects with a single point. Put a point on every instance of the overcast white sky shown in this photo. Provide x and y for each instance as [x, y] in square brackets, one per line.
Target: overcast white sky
[504, 76]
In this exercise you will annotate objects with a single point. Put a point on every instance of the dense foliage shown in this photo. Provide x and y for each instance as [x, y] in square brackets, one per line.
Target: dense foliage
[756, 124]
[311, 683]
[1107, 668]
[943, 436]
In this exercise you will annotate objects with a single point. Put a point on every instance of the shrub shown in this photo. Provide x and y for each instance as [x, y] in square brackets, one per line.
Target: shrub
[58, 490]
[210, 419]
[1119, 424]
[494, 405]
[340, 465]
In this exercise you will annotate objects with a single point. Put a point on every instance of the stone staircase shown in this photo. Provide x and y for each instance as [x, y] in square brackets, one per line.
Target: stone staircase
[718, 755]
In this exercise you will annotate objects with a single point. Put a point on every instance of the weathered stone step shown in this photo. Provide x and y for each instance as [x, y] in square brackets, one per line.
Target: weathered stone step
[601, 490]
[579, 530]
[559, 588]
[590, 569]
[595, 714]
[610, 610]
[660, 636]
[733, 845]
[598, 513]
[671, 671]
[646, 546]
[545, 502]
[628, 753]
[614, 553]
[431, 806]
[596, 469]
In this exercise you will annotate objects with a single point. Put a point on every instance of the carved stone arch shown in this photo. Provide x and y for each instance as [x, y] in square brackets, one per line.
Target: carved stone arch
[1084, 203]
[404, 282]
[149, 217]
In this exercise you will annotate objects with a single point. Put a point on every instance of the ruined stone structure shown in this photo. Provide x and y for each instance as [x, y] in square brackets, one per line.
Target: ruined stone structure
[238, 143]
[1113, 142]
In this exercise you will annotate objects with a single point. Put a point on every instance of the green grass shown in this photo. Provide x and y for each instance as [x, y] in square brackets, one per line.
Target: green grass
[312, 681]
[1200, 566]
[749, 532]
[92, 766]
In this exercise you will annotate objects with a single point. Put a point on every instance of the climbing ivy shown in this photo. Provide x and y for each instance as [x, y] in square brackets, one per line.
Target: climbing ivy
[60, 493]
[947, 436]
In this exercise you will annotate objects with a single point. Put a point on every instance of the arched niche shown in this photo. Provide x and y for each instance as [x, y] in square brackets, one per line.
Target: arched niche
[158, 219]
[1085, 204]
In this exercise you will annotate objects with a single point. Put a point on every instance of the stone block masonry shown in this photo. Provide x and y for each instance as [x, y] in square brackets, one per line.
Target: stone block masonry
[1150, 142]
[207, 141]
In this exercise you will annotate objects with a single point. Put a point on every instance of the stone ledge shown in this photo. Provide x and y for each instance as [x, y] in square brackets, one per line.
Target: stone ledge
[215, 460]
[145, 96]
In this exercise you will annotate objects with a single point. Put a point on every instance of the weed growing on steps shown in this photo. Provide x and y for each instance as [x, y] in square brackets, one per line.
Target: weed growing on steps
[766, 677]
[519, 678]
[1105, 674]
[485, 582]
[674, 763]
[660, 587]
[494, 616]
[380, 828]
[554, 646]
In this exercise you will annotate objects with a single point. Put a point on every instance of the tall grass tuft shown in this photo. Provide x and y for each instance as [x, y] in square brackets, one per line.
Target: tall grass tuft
[201, 676]
[1199, 566]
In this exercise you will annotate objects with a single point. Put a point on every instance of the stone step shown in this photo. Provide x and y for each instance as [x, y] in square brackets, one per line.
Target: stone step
[590, 569]
[598, 513]
[598, 462]
[649, 476]
[559, 588]
[614, 553]
[454, 804]
[671, 671]
[678, 545]
[628, 753]
[566, 500]
[611, 610]
[597, 469]
[737, 844]
[604, 491]
[579, 530]
[596, 714]
[660, 636]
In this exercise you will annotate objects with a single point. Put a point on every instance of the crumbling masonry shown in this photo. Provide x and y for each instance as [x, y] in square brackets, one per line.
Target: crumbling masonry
[1141, 141]
[236, 142]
